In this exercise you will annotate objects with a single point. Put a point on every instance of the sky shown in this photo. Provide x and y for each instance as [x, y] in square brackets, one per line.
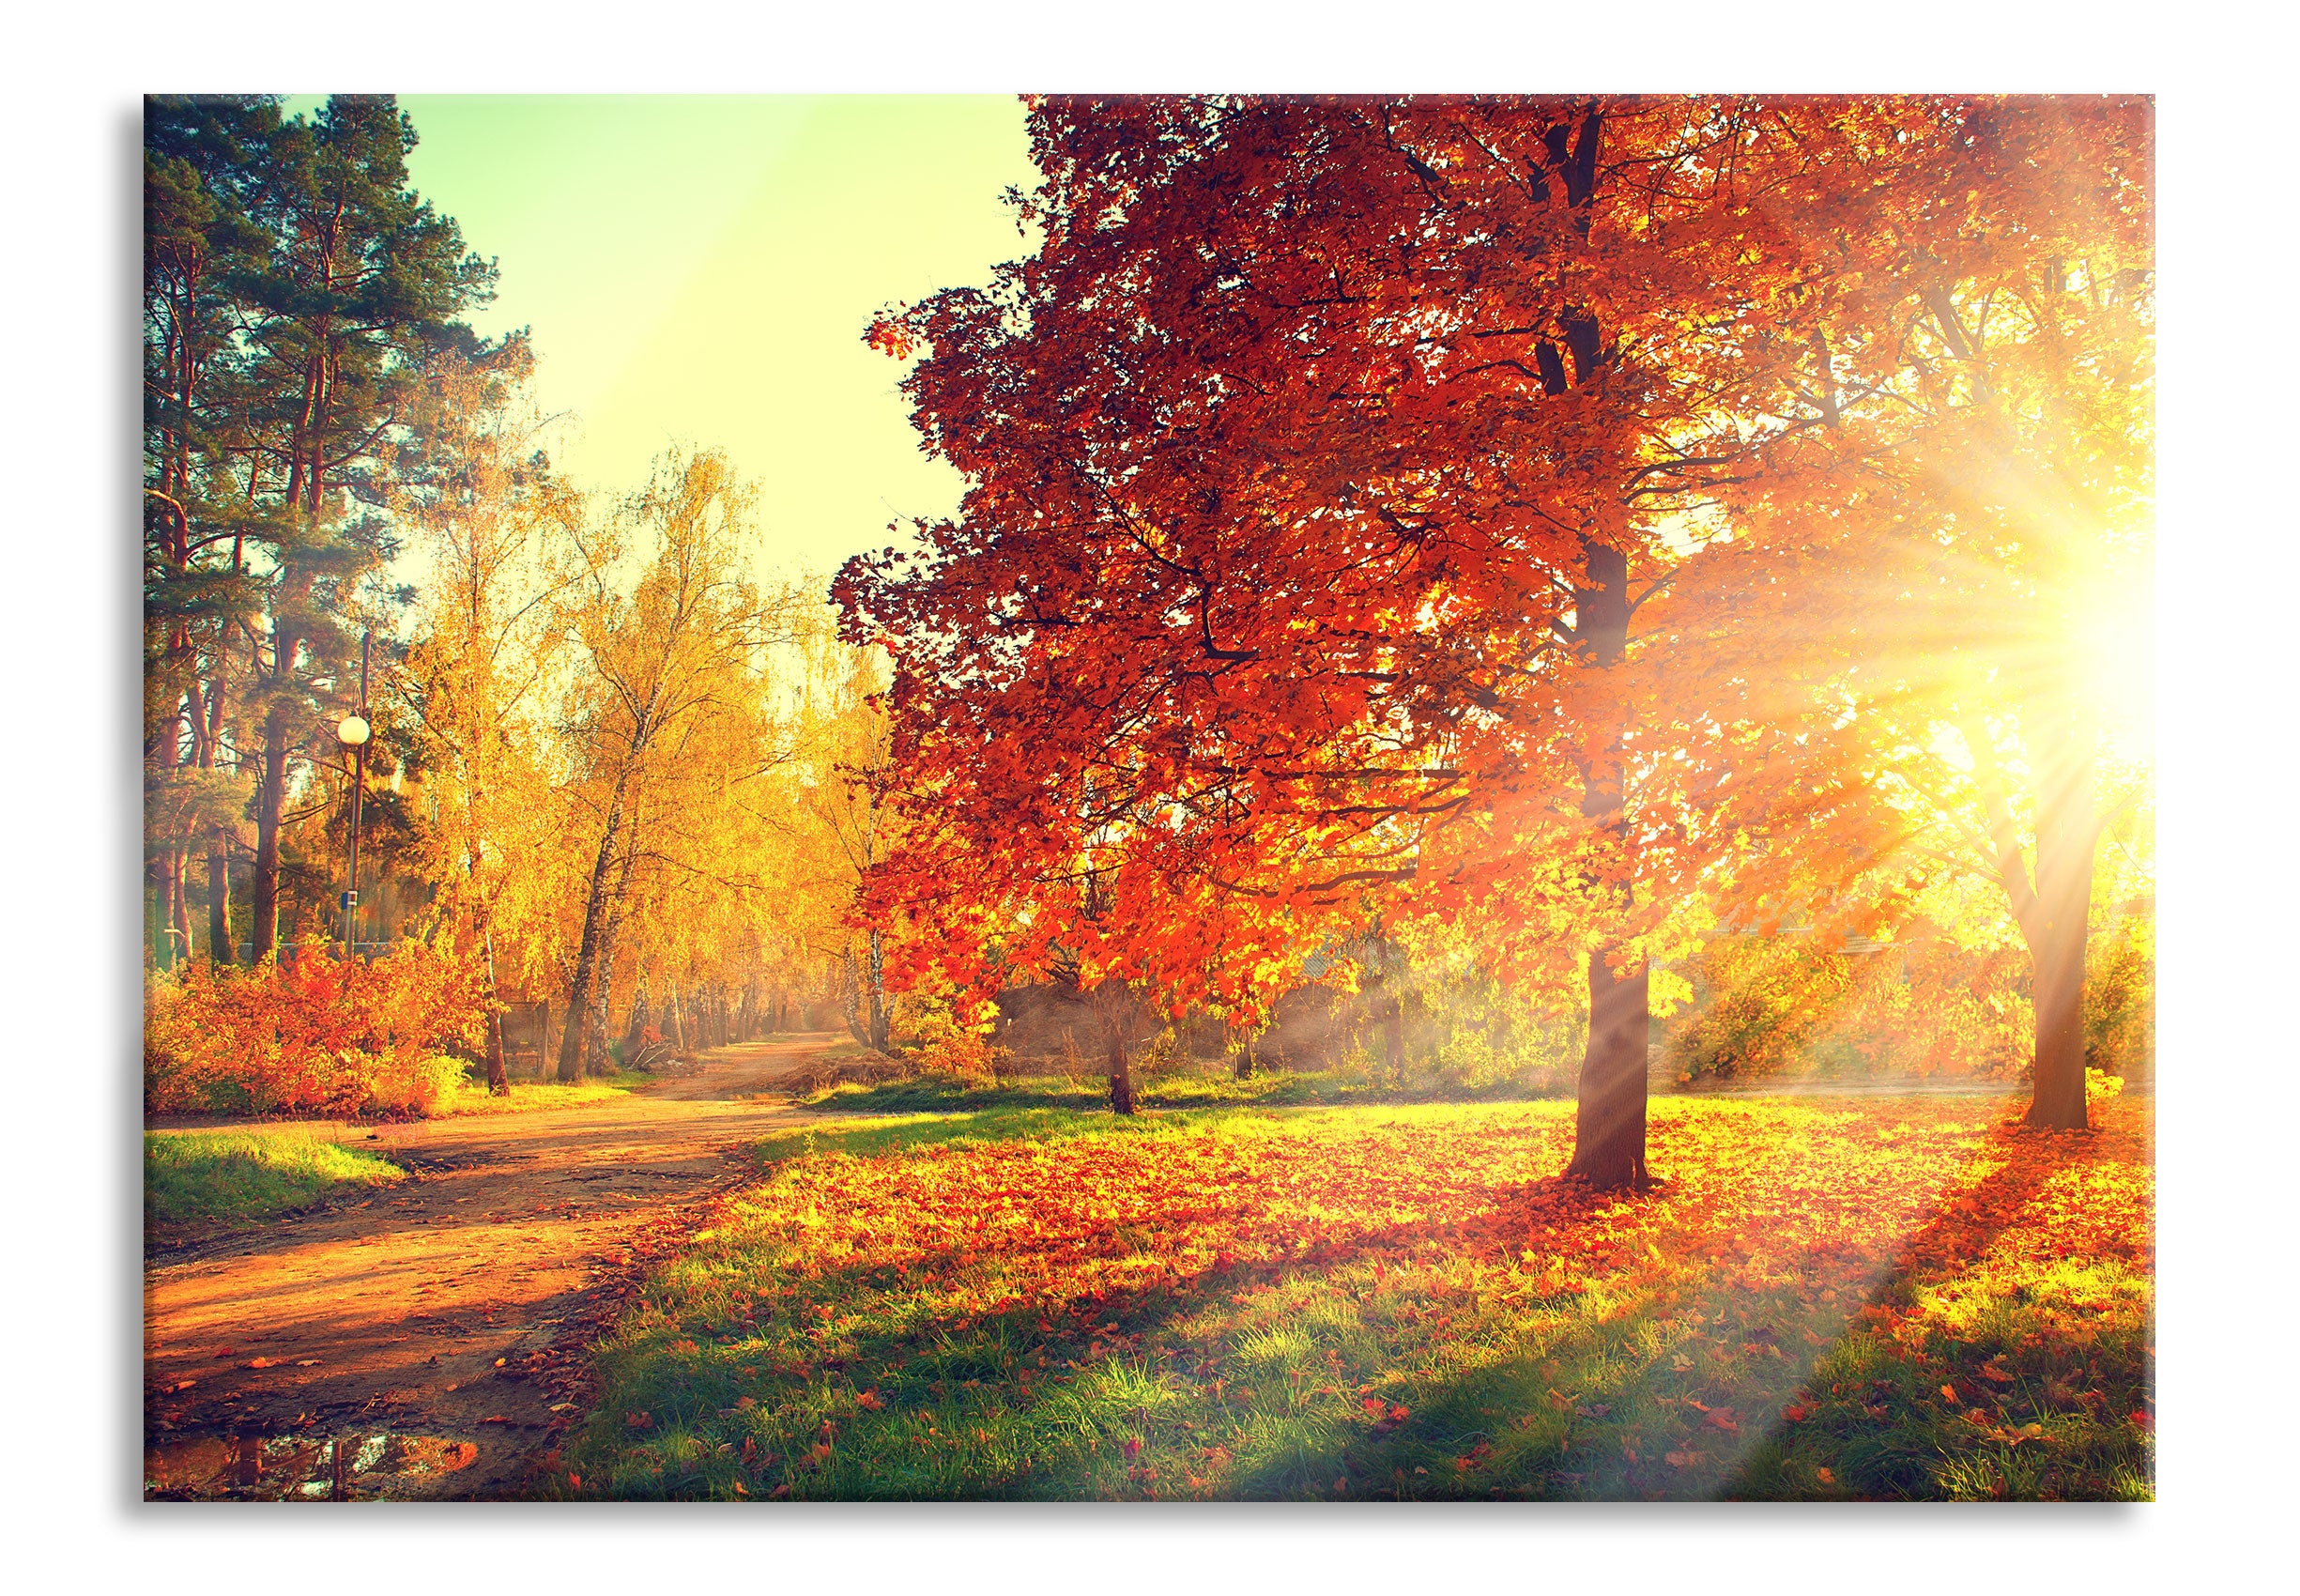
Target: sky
[701, 269]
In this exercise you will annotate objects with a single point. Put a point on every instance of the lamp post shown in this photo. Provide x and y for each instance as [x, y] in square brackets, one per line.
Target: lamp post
[352, 733]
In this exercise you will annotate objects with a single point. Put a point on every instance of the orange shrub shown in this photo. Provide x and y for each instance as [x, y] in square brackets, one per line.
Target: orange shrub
[317, 1035]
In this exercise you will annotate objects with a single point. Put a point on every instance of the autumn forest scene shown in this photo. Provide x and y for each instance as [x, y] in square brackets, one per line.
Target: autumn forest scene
[1189, 798]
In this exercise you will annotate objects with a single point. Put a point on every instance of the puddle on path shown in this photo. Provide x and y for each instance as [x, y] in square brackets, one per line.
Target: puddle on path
[299, 1469]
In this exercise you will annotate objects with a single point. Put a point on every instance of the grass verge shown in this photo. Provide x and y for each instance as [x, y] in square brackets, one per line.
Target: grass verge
[1889, 1299]
[196, 1181]
[960, 1094]
[528, 1095]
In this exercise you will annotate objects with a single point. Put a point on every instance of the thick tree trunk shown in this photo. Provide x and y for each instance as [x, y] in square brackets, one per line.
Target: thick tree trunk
[1244, 1069]
[1609, 1115]
[2057, 1102]
[1121, 1078]
[2055, 929]
[1609, 1118]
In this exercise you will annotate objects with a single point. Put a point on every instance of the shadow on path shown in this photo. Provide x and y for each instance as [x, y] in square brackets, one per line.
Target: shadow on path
[442, 1318]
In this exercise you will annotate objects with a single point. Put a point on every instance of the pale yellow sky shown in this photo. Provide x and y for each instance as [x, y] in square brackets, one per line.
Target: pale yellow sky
[702, 267]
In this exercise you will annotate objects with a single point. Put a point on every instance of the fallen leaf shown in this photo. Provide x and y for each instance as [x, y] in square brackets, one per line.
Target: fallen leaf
[1825, 1477]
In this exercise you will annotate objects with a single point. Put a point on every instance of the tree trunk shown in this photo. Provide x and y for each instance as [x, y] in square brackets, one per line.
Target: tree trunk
[2057, 1101]
[1244, 1069]
[636, 1036]
[166, 898]
[882, 1017]
[1609, 1117]
[1393, 1036]
[1120, 1081]
[599, 1029]
[222, 947]
[498, 1078]
[2056, 930]
[270, 798]
[577, 1038]
[596, 1059]
[179, 903]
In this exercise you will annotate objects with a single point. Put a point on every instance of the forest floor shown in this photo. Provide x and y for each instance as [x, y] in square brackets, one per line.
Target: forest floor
[434, 1328]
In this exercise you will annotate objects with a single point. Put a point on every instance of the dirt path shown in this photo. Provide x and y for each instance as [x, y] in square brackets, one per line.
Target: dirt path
[431, 1328]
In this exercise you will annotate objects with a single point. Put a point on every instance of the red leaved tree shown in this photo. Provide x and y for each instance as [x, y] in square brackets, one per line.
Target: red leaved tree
[1364, 504]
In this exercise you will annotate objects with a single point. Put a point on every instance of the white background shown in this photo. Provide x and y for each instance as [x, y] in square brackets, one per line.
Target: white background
[70, 1106]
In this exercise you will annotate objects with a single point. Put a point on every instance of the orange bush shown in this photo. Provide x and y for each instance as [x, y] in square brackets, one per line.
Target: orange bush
[316, 1036]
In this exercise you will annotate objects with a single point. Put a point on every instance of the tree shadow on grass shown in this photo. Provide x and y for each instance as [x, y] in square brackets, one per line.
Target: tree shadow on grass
[1569, 1402]
[1097, 1383]
[1905, 1405]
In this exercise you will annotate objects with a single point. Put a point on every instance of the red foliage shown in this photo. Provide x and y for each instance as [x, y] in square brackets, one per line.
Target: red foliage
[1482, 503]
[316, 1036]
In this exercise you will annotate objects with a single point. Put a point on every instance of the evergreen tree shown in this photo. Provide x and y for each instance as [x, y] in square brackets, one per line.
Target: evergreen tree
[324, 285]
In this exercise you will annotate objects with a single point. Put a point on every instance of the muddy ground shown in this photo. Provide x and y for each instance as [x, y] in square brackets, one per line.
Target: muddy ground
[426, 1341]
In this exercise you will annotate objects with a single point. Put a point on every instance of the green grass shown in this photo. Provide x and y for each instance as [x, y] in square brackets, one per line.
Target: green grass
[528, 1095]
[197, 1180]
[2051, 1372]
[958, 1094]
[769, 1361]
